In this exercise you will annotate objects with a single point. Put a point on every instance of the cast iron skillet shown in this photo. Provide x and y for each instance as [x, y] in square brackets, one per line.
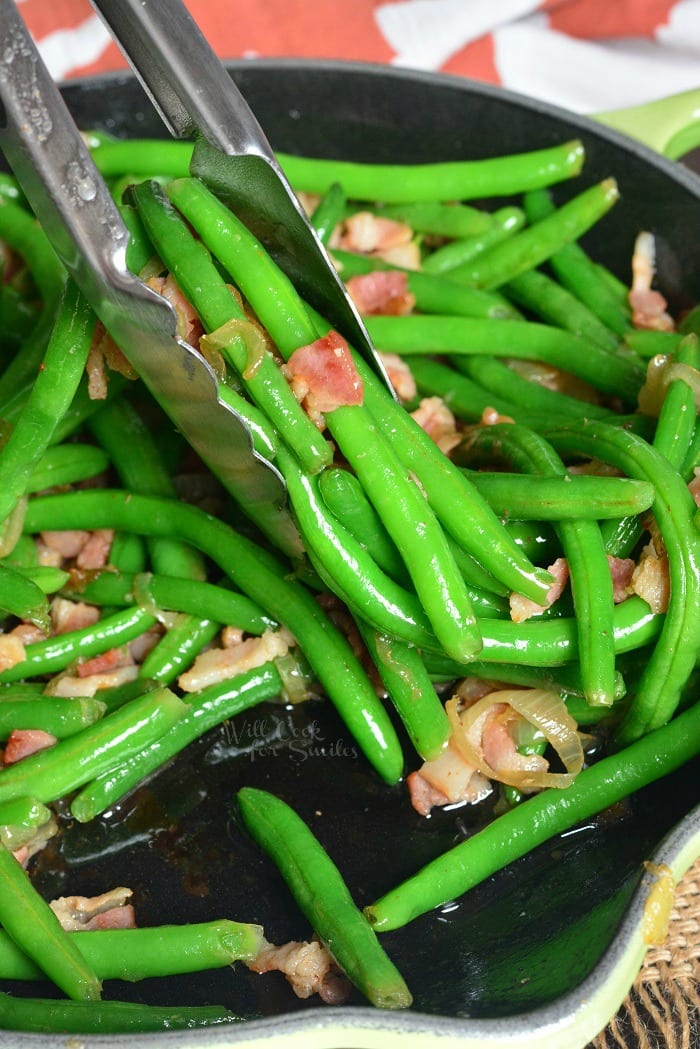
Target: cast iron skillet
[508, 961]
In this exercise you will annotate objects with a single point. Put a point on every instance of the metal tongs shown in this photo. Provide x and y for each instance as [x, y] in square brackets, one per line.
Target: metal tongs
[195, 97]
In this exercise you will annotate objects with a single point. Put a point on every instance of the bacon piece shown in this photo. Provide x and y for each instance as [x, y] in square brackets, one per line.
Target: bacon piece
[189, 326]
[366, 233]
[446, 780]
[67, 543]
[435, 418]
[103, 354]
[400, 376]
[109, 910]
[621, 570]
[94, 553]
[382, 291]
[651, 580]
[67, 616]
[648, 306]
[105, 661]
[218, 664]
[71, 686]
[522, 608]
[694, 486]
[309, 968]
[323, 375]
[11, 651]
[22, 743]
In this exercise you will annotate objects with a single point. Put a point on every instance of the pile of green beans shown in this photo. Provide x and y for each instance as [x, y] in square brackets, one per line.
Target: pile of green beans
[421, 551]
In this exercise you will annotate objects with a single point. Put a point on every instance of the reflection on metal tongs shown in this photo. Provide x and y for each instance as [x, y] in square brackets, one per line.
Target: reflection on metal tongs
[196, 97]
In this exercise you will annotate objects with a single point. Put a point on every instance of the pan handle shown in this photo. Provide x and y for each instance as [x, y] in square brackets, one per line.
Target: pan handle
[669, 125]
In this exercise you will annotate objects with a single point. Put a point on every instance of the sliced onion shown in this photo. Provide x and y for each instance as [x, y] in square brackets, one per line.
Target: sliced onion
[543, 709]
[662, 370]
[296, 680]
[253, 337]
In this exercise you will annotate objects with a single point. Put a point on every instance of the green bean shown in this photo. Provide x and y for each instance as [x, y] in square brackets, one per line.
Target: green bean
[22, 232]
[433, 294]
[678, 415]
[323, 897]
[458, 256]
[178, 648]
[504, 381]
[621, 536]
[450, 180]
[538, 819]
[347, 568]
[204, 710]
[410, 690]
[343, 495]
[532, 246]
[554, 304]
[56, 653]
[46, 577]
[443, 220]
[648, 344]
[127, 553]
[171, 593]
[58, 716]
[575, 271]
[692, 458]
[142, 157]
[21, 597]
[29, 920]
[569, 495]
[19, 820]
[398, 501]
[67, 464]
[328, 212]
[673, 658]
[591, 580]
[535, 538]
[611, 373]
[44, 1015]
[145, 953]
[52, 393]
[262, 578]
[464, 514]
[52, 773]
[192, 267]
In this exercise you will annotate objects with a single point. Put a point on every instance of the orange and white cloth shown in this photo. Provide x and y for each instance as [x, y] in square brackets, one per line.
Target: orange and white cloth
[586, 55]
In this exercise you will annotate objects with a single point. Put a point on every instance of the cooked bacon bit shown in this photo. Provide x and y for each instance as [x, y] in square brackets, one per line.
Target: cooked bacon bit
[366, 234]
[651, 580]
[309, 968]
[648, 306]
[490, 417]
[11, 651]
[103, 354]
[446, 780]
[400, 376]
[71, 686]
[67, 616]
[435, 418]
[142, 645]
[621, 570]
[189, 326]
[218, 664]
[231, 636]
[694, 486]
[522, 608]
[110, 910]
[323, 375]
[24, 742]
[407, 256]
[36, 843]
[308, 201]
[68, 543]
[382, 291]
[27, 633]
[95, 552]
[105, 662]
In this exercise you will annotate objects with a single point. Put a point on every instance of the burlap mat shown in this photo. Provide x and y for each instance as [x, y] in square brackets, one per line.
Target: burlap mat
[662, 1010]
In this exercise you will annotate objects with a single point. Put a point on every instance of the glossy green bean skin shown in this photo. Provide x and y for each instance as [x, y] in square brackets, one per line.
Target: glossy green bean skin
[29, 920]
[204, 710]
[60, 717]
[43, 1015]
[538, 819]
[66, 464]
[171, 593]
[328, 212]
[411, 691]
[561, 497]
[609, 373]
[678, 415]
[50, 396]
[52, 773]
[19, 819]
[21, 597]
[56, 653]
[673, 658]
[458, 257]
[582, 544]
[554, 304]
[261, 577]
[145, 953]
[321, 894]
[445, 220]
[451, 180]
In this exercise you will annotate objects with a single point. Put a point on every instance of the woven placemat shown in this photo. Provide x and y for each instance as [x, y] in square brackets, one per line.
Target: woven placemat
[662, 1011]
